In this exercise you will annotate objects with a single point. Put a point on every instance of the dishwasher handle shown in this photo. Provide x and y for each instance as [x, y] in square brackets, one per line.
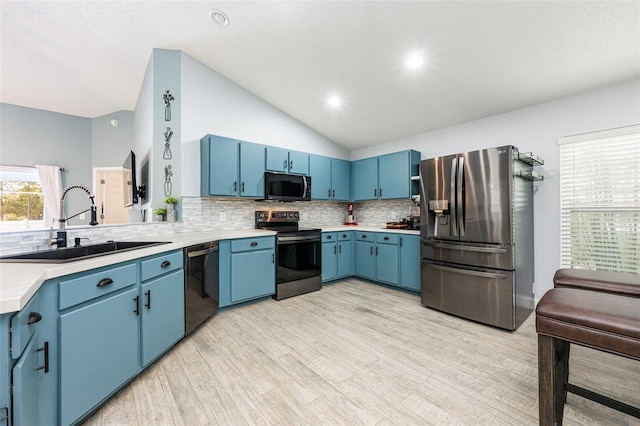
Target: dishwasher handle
[198, 253]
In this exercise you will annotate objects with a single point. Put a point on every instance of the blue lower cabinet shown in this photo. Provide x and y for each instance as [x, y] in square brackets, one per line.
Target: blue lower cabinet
[98, 352]
[247, 269]
[26, 384]
[387, 268]
[329, 260]
[345, 254]
[365, 259]
[410, 262]
[162, 308]
[252, 275]
[115, 326]
[337, 255]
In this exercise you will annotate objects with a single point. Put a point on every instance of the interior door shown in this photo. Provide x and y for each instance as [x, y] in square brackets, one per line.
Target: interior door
[109, 196]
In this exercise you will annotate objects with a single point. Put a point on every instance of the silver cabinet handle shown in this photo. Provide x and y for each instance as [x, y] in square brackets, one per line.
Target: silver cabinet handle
[469, 272]
[460, 202]
[454, 216]
[468, 248]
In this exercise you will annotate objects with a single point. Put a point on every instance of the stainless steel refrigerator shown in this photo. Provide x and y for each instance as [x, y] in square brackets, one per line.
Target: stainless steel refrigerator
[476, 229]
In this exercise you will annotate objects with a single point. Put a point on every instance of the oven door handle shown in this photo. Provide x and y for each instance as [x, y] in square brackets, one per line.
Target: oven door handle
[298, 239]
[199, 253]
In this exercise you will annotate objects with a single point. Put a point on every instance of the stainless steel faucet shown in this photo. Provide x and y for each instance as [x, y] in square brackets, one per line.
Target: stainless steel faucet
[61, 235]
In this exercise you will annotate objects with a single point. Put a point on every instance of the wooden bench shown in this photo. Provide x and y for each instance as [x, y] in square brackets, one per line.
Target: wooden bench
[604, 321]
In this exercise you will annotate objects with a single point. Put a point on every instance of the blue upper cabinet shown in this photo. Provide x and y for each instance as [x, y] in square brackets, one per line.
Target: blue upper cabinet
[386, 177]
[320, 172]
[365, 179]
[285, 161]
[340, 179]
[277, 159]
[330, 178]
[251, 170]
[231, 168]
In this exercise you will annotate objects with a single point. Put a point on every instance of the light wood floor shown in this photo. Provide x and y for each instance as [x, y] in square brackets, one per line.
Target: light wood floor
[357, 353]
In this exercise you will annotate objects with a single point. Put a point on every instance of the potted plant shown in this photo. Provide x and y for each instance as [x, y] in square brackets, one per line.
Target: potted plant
[170, 204]
[160, 213]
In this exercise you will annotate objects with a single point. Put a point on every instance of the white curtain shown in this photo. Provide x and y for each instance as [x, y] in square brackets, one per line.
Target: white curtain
[51, 183]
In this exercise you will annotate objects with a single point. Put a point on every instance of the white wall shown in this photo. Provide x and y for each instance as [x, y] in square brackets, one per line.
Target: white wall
[214, 104]
[143, 138]
[533, 129]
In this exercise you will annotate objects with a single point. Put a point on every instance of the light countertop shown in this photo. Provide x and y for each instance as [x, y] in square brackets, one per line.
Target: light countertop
[20, 281]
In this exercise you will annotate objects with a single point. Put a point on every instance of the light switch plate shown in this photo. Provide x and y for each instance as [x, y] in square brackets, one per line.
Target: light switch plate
[223, 217]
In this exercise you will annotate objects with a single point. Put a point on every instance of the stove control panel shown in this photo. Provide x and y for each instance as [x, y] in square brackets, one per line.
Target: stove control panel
[277, 216]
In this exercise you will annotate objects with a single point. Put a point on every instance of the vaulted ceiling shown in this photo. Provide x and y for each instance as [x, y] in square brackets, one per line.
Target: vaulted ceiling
[481, 58]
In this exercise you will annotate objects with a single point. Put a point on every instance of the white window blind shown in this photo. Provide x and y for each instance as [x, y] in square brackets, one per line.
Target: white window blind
[600, 200]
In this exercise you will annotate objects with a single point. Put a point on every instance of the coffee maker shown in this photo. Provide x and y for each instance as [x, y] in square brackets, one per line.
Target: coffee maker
[351, 218]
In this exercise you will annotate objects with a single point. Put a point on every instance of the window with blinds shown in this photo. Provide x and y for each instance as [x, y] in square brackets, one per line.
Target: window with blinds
[600, 200]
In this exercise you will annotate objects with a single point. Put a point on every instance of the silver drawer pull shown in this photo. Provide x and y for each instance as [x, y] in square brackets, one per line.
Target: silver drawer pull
[468, 248]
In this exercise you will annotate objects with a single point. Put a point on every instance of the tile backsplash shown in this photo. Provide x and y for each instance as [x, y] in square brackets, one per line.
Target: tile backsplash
[209, 213]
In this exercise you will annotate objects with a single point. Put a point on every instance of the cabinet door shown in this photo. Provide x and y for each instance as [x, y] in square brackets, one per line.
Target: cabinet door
[223, 166]
[345, 263]
[365, 260]
[365, 179]
[251, 170]
[162, 306]
[340, 179]
[98, 352]
[320, 172]
[252, 274]
[26, 385]
[394, 175]
[329, 261]
[387, 263]
[277, 159]
[410, 262]
[298, 162]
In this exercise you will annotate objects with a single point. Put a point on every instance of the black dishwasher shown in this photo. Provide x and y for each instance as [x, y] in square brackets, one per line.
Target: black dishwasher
[201, 283]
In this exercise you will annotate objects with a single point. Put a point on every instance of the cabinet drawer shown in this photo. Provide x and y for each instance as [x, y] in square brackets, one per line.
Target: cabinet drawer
[329, 237]
[87, 287]
[161, 264]
[365, 236]
[259, 243]
[383, 238]
[21, 330]
[344, 236]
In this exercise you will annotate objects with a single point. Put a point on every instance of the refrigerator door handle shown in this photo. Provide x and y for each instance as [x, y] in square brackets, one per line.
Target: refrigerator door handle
[459, 199]
[469, 272]
[452, 209]
[469, 248]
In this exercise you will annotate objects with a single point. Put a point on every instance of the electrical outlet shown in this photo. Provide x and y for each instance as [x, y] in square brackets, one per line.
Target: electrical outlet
[222, 217]
[304, 216]
[81, 216]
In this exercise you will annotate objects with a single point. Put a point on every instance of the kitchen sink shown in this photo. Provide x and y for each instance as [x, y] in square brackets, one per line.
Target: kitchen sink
[71, 254]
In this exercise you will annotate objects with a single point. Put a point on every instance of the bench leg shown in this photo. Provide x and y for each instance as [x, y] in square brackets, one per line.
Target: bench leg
[553, 365]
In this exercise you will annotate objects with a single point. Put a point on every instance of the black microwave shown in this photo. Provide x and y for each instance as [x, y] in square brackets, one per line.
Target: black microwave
[286, 187]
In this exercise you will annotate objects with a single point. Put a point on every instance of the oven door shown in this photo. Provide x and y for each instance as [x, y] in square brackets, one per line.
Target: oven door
[299, 257]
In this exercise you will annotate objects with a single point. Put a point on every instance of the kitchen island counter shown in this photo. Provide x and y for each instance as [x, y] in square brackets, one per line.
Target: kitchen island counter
[20, 281]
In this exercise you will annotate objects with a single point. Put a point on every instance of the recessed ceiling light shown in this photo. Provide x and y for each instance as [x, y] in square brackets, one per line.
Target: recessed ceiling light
[219, 17]
[414, 61]
[334, 101]
[114, 122]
